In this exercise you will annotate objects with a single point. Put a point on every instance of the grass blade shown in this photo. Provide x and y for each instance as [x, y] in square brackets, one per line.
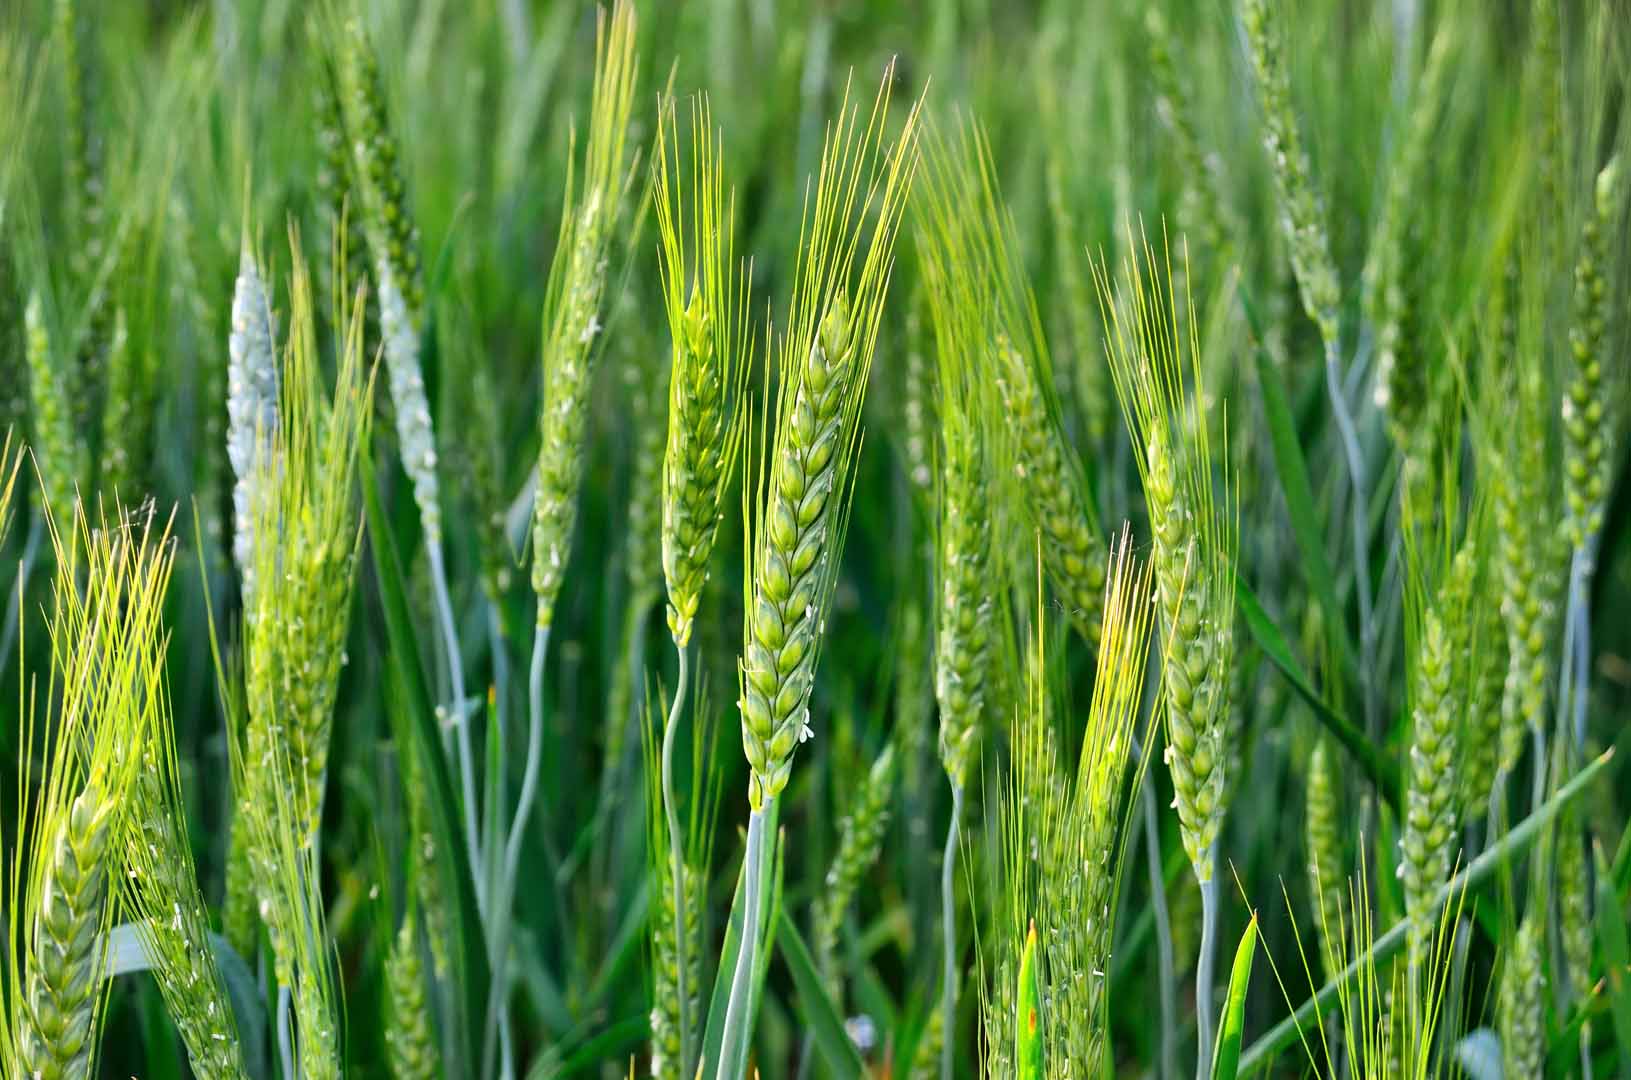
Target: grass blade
[1226, 1058]
[1381, 770]
[823, 1021]
[1263, 1051]
[1292, 468]
[714, 1035]
[414, 725]
[1028, 1013]
[1616, 959]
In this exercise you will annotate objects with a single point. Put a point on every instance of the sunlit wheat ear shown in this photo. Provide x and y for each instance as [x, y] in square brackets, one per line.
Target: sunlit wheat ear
[1064, 834]
[1032, 447]
[59, 451]
[1302, 212]
[307, 527]
[1441, 648]
[860, 837]
[1591, 402]
[387, 217]
[1152, 339]
[572, 308]
[160, 892]
[104, 628]
[306, 524]
[1520, 1004]
[705, 293]
[408, 1036]
[953, 255]
[798, 509]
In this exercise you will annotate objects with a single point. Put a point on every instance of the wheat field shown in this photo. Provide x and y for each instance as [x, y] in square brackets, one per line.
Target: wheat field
[804, 538]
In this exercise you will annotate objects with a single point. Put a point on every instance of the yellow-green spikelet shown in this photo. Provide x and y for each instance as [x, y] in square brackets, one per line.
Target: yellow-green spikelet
[390, 223]
[58, 451]
[1520, 1003]
[1326, 873]
[408, 1037]
[1072, 549]
[693, 464]
[964, 605]
[790, 574]
[1196, 690]
[55, 1040]
[1588, 422]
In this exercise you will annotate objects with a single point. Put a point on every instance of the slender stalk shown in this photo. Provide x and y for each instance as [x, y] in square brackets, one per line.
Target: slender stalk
[498, 928]
[676, 857]
[1203, 979]
[459, 717]
[738, 1029]
[285, 1030]
[948, 934]
[1167, 978]
[1285, 1033]
[1354, 456]
[493, 788]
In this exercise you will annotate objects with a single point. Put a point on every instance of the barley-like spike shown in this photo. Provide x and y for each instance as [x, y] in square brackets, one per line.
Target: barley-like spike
[1072, 549]
[1488, 665]
[252, 417]
[951, 251]
[1589, 423]
[916, 407]
[1302, 212]
[860, 839]
[59, 452]
[1429, 827]
[1520, 1002]
[1196, 535]
[665, 1008]
[106, 670]
[240, 905]
[1392, 271]
[643, 372]
[572, 309]
[57, 1037]
[161, 888]
[797, 520]
[1575, 928]
[1202, 213]
[712, 351]
[125, 413]
[1327, 876]
[393, 235]
[408, 1036]
[1526, 555]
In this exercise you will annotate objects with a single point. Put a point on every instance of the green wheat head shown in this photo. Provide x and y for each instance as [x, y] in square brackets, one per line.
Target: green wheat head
[706, 295]
[1152, 338]
[796, 508]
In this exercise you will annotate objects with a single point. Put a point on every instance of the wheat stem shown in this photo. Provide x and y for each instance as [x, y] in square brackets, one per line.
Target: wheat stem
[676, 857]
[1204, 1019]
[460, 717]
[738, 1029]
[948, 934]
[1166, 965]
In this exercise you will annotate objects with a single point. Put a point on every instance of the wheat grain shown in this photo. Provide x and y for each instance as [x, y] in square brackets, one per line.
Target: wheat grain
[1520, 1001]
[572, 311]
[860, 837]
[59, 453]
[407, 1031]
[712, 353]
[1589, 422]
